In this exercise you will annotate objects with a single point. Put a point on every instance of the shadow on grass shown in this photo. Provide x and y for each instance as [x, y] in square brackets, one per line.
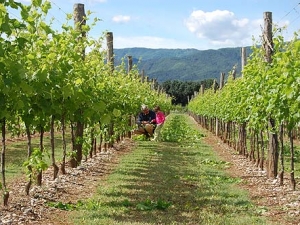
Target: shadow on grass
[166, 183]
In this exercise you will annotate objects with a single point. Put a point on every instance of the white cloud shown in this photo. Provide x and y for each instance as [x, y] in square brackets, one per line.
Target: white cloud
[148, 42]
[121, 19]
[222, 28]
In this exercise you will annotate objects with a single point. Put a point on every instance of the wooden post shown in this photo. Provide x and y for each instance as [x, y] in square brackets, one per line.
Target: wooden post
[267, 37]
[5, 194]
[110, 61]
[216, 120]
[130, 116]
[244, 58]
[79, 20]
[222, 77]
[129, 63]
[110, 50]
[234, 73]
[143, 76]
[215, 85]
[153, 84]
[273, 154]
[159, 89]
[202, 89]
[222, 80]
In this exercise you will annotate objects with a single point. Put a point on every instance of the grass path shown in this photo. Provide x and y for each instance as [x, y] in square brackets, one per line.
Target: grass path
[178, 181]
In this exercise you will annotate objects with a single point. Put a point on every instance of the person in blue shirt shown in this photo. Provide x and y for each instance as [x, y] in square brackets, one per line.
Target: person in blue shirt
[146, 121]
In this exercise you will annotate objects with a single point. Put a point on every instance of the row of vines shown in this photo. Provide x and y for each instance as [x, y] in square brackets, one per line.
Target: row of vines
[51, 79]
[259, 112]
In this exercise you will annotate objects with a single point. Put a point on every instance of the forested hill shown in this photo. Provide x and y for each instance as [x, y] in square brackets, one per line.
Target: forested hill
[182, 64]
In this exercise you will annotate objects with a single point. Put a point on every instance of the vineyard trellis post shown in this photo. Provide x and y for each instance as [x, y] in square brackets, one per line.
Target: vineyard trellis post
[234, 73]
[110, 62]
[143, 76]
[130, 116]
[272, 162]
[217, 133]
[110, 50]
[129, 58]
[79, 21]
[203, 118]
[241, 145]
[5, 194]
[244, 59]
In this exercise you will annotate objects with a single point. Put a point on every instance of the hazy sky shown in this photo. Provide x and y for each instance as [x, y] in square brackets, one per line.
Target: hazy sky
[200, 24]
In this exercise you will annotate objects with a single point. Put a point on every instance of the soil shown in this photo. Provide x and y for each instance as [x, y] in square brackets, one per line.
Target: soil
[278, 203]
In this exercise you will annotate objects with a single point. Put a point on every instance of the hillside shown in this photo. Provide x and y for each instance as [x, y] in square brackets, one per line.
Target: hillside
[182, 64]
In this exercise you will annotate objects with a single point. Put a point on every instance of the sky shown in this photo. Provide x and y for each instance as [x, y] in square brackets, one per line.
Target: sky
[183, 24]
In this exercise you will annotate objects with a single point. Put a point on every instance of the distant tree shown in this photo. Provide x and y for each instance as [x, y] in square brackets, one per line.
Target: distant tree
[182, 91]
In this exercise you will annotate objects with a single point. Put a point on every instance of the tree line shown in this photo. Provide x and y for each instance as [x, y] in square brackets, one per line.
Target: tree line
[183, 91]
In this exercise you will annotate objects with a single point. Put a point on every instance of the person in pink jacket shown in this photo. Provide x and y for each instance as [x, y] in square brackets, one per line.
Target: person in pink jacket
[159, 120]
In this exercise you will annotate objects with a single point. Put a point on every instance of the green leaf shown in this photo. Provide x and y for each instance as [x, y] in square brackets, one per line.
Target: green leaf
[26, 88]
[46, 6]
[99, 106]
[30, 56]
[116, 112]
[42, 75]
[289, 91]
[6, 28]
[105, 119]
[20, 104]
[2, 9]
[25, 12]
[78, 81]
[37, 3]
[46, 28]
[67, 91]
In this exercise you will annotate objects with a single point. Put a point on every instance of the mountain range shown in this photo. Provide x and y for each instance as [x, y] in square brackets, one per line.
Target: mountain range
[182, 64]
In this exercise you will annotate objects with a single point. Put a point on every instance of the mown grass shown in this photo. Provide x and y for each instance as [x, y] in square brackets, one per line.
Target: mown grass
[178, 181]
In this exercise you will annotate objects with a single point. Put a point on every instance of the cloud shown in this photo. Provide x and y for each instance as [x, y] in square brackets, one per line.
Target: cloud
[149, 42]
[121, 19]
[222, 28]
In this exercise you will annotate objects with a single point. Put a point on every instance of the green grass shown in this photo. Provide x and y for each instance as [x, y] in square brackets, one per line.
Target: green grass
[173, 182]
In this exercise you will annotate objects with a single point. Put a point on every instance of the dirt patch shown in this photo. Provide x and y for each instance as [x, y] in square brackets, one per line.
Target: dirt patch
[278, 203]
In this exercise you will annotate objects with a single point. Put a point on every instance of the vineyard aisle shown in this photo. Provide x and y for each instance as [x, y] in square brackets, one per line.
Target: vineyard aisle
[189, 178]
[178, 181]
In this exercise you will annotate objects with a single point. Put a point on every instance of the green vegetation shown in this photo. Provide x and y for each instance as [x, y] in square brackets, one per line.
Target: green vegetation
[265, 100]
[48, 77]
[180, 181]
